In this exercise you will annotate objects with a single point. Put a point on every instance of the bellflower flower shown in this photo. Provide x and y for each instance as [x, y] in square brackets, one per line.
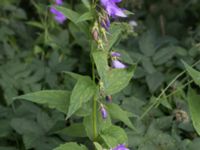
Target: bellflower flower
[58, 16]
[59, 2]
[112, 9]
[103, 112]
[120, 147]
[115, 62]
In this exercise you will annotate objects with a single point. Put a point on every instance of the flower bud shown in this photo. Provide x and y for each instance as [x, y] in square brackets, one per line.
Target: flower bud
[103, 112]
[95, 35]
[109, 98]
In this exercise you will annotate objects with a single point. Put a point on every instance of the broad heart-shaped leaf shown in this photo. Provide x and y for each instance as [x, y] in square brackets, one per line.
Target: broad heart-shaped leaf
[117, 79]
[193, 73]
[81, 93]
[58, 99]
[71, 146]
[194, 105]
[84, 17]
[117, 113]
[114, 136]
[70, 14]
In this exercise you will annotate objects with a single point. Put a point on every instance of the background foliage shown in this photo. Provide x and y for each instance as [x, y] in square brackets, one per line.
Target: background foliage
[35, 51]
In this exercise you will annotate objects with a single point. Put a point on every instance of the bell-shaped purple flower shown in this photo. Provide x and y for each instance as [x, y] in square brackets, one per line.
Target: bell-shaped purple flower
[104, 113]
[112, 9]
[120, 147]
[59, 2]
[115, 54]
[117, 64]
[58, 16]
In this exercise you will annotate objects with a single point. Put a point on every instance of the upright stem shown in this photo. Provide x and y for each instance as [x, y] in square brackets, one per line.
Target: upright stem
[94, 104]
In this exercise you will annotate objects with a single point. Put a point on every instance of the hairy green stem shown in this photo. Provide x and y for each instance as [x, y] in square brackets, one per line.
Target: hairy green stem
[94, 105]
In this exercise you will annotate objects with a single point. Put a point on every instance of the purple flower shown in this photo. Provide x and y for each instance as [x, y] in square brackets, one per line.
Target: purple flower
[59, 16]
[59, 2]
[117, 64]
[115, 54]
[105, 23]
[112, 9]
[103, 112]
[120, 147]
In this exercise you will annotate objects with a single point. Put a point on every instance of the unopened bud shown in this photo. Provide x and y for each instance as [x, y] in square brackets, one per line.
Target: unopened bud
[95, 35]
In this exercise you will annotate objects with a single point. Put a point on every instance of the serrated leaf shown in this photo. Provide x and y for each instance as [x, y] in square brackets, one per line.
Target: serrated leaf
[81, 93]
[194, 105]
[117, 113]
[71, 146]
[114, 136]
[193, 73]
[58, 99]
[117, 79]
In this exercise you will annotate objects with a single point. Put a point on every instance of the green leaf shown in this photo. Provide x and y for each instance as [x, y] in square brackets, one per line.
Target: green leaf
[71, 146]
[86, 3]
[81, 93]
[117, 113]
[70, 14]
[101, 124]
[85, 17]
[147, 43]
[115, 32]
[117, 79]
[101, 61]
[113, 136]
[75, 130]
[193, 73]
[98, 146]
[58, 99]
[194, 105]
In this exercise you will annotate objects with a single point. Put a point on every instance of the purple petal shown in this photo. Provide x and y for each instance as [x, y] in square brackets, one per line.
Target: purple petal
[112, 9]
[59, 2]
[103, 112]
[117, 64]
[115, 54]
[59, 16]
[116, 1]
[120, 147]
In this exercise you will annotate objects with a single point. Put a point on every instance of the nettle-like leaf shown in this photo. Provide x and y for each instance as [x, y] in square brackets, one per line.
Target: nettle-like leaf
[71, 146]
[83, 91]
[194, 105]
[114, 80]
[85, 17]
[193, 73]
[58, 99]
[117, 113]
[98, 146]
[114, 136]
[117, 79]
